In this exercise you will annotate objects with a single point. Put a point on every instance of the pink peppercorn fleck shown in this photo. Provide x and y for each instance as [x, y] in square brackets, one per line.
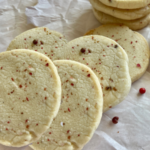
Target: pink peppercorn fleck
[20, 86]
[72, 84]
[68, 131]
[47, 64]
[82, 50]
[30, 73]
[35, 42]
[27, 99]
[68, 109]
[138, 65]
[1, 67]
[88, 75]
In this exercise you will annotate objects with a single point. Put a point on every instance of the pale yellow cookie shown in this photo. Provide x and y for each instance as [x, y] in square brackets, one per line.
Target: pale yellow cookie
[125, 14]
[30, 96]
[80, 111]
[133, 43]
[126, 4]
[132, 24]
[108, 61]
[43, 40]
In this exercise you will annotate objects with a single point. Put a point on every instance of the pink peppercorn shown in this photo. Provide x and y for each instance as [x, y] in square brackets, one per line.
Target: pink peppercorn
[88, 75]
[35, 42]
[138, 65]
[142, 90]
[47, 64]
[115, 120]
[83, 50]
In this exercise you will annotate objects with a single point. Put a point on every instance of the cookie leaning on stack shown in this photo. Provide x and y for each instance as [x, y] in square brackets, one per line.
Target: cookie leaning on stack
[132, 42]
[139, 18]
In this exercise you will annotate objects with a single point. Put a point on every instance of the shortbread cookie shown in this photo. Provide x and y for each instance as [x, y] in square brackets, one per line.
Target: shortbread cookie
[43, 40]
[30, 96]
[126, 14]
[126, 4]
[132, 24]
[80, 111]
[133, 43]
[109, 62]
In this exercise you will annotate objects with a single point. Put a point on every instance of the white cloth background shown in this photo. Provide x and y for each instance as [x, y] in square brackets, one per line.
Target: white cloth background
[73, 18]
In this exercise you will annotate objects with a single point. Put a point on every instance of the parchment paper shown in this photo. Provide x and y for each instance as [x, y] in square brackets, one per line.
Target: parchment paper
[73, 18]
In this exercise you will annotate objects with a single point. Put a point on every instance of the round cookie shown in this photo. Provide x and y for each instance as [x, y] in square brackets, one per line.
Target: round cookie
[30, 96]
[126, 14]
[126, 4]
[133, 43]
[43, 40]
[80, 111]
[108, 61]
[132, 24]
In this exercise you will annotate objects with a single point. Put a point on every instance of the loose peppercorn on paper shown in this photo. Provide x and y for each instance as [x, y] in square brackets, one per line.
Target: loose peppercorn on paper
[73, 18]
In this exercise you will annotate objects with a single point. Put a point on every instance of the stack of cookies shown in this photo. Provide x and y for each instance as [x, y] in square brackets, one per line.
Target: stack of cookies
[133, 13]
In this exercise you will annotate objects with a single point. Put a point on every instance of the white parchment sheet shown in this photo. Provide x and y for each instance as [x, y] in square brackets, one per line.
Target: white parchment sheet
[73, 18]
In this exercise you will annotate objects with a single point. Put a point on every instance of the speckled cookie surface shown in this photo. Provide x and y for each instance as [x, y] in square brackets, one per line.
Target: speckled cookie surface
[133, 43]
[80, 111]
[126, 14]
[132, 24]
[30, 96]
[43, 40]
[126, 4]
[108, 61]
